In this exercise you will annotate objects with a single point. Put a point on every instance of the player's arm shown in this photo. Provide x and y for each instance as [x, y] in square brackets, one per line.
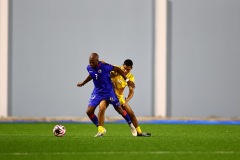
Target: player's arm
[113, 74]
[130, 94]
[130, 83]
[80, 84]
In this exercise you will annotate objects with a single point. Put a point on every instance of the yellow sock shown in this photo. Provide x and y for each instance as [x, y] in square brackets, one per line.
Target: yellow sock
[139, 130]
[100, 129]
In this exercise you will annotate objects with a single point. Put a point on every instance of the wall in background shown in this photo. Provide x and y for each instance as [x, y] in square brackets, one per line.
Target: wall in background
[50, 43]
[204, 54]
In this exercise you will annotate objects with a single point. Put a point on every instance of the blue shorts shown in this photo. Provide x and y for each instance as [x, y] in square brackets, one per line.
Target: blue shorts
[97, 98]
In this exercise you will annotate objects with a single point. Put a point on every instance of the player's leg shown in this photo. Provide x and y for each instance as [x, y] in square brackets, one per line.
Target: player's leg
[117, 106]
[93, 103]
[90, 112]
[101, 115]
[131, 114]
[135, 121]
[127, 118]
[121, 111]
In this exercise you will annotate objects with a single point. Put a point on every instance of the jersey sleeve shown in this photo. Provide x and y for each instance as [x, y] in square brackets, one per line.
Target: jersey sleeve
[108, 67]
[131, 78]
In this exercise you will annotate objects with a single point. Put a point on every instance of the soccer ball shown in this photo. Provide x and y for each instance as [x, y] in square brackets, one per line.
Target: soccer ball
[59, 130]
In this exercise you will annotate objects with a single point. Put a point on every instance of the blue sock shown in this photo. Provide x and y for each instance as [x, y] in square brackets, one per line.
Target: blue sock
[94, 119]
[126, 117]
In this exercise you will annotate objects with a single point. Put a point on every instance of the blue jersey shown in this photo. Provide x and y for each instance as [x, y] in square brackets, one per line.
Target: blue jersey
[103, 87]
[101, 78]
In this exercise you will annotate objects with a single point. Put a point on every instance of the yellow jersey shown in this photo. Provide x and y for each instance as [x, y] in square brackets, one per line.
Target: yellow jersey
[120, 84]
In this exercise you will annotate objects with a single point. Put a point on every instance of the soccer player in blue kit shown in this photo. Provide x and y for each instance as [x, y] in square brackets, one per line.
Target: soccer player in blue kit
[99, 72]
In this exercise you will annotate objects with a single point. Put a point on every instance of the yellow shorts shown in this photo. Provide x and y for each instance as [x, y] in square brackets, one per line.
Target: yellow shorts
[121, 99]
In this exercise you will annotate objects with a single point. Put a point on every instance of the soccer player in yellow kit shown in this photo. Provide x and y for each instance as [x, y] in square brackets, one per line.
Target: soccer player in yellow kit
[119, 86]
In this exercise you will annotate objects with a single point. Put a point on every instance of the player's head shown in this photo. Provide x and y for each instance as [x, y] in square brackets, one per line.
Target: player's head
[93, 60]
[127, 66]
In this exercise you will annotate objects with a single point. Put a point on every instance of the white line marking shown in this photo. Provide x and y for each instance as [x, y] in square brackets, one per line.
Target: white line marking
[111, 153]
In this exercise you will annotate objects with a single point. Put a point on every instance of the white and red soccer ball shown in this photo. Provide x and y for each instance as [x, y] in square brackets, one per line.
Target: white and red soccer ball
[59, 130]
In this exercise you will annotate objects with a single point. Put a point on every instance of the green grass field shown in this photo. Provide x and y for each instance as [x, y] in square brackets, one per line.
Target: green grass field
[32, 141]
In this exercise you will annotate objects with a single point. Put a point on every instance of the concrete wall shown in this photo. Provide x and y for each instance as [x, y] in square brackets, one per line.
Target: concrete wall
[204, 54]
[50, 43]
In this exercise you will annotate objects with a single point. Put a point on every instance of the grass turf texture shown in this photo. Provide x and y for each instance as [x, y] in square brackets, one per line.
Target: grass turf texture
[34, 141]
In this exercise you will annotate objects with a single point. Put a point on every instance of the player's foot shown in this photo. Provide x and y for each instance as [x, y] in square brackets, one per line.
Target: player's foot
[100, 134]
[144, 134]
[133, 130]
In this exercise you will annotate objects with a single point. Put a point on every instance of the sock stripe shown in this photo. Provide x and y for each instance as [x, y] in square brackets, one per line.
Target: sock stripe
[92, 116]
[124, 113]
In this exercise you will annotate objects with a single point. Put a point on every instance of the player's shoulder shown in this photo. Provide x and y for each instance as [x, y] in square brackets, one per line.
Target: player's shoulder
[102, 63]
[130, 76]
[114, 72]
[88, 67]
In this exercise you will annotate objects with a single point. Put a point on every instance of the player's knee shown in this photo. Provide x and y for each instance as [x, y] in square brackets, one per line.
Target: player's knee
[89, 112]
[102, 109]
[118, 109]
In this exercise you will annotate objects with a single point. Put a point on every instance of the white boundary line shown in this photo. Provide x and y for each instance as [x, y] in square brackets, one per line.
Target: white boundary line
[112, 153]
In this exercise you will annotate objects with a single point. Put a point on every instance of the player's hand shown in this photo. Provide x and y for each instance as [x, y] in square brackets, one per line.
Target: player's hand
[131, 84]
[80, 84]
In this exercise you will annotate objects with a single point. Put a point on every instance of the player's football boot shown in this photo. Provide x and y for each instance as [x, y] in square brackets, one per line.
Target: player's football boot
[133, 130]
[100, 134]
[144, 134]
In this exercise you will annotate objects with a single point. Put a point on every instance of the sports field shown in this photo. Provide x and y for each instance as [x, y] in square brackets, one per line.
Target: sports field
[32, 141]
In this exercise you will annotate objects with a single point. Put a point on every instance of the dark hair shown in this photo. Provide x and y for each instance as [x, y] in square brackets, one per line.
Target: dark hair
[128, 62]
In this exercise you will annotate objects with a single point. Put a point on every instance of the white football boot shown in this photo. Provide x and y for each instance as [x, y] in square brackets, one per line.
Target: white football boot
[133, 130]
